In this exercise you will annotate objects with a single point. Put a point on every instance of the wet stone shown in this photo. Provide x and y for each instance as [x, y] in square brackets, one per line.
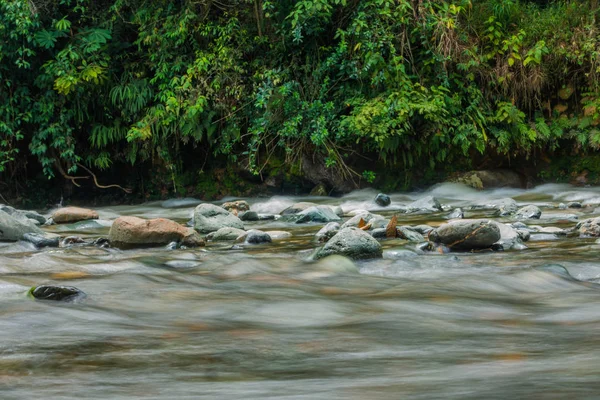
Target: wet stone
[57, 293]
[40, 240]
[529, 212]
[383, 200]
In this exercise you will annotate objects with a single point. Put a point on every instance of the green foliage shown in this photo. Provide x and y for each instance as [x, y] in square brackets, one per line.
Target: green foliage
[411, 83]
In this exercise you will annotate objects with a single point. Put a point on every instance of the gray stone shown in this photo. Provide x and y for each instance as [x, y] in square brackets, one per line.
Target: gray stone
[423, 229]
[31, 215]
[353, 243]
[249, 216]
[562, 206]
[457, 213]
[409, 234]
[296, 208]
[467, 234]
[426, 204]
[41, 240]
[12, 228]
[510, 238]
[327, 232]
[383, 200]
[323, 214]
[379, 233]
[210, 218]
[365, 216]
[225, 234]
[529, 212]
[279, 235]
[254, 236]
[574, 204]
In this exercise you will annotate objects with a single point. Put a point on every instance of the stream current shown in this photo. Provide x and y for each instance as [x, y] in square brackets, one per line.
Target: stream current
[260, 322]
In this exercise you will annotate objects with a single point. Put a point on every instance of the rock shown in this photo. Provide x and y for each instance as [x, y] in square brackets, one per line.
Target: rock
[365, 216]
[37, 218]
[574, 204]
[457, 213]
[134, 231]
[426, 204]
[562, 206]
[507, 207]
[73, 214]
[57, 293]
[249, 216]
[209, 218]
[409, 234]
[254, 236]
[338, 211]
[488, 179]
[327, 232]
[423, 229]
[319, 190]
[466, 235]
[225, 234]
[379, 233]
[192, 239]
[589, 227]
[41, 240]
[12, 228]
[353, 243]
[524, 235]
[235, 207]
[278, 235]
[383, 200]
[529, 212]
[103, 243]
[71, 240]
[510, 238]
[181, 203]
[173, 246]
[336, 264]
[266, 217]
[296, 208]
[322, 214]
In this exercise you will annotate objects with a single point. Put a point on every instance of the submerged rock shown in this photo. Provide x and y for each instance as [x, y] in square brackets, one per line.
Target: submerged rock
[383, 200]
[426, 204]
[467, 234]
[41, 240]
[353, 243]
[225, 234]
[134, 231]
[210, 218]
[57, 293]
[529, 212]
[73, 214]
[12, 228]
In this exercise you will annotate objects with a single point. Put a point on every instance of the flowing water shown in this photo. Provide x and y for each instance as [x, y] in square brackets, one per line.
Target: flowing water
[261, 322]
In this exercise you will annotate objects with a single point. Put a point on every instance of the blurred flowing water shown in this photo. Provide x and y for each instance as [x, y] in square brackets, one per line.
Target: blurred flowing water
[262, 323]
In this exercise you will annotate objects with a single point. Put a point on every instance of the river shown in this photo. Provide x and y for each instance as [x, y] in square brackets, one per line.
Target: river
[260, 322]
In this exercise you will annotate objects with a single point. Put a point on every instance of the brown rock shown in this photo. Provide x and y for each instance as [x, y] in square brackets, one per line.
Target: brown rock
[138, 231]
[73, 214]
[235, 207]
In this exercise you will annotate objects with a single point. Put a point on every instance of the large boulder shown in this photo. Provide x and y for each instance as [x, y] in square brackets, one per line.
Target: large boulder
[466, 234]
[73, 214]
[529, 212]
[487, 179]
[353, 243]
[134, 231]
[12, 228]
[210, 218]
